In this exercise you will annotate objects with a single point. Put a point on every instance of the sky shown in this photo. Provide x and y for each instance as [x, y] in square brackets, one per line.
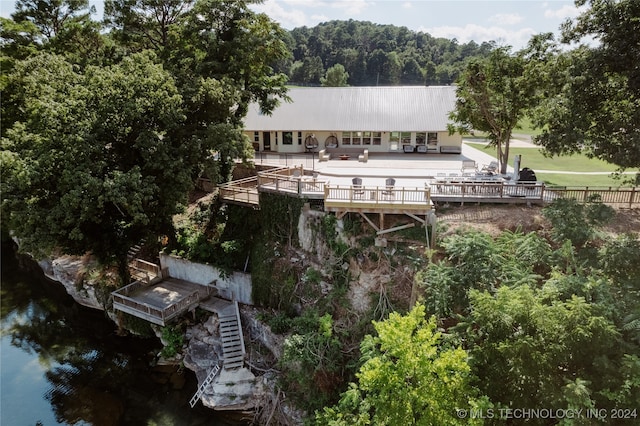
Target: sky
[509, 23]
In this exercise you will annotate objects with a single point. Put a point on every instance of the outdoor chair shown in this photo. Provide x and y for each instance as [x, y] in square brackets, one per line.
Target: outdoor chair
[389, 185]
[492, 167]
[469, 167]
[356, 185]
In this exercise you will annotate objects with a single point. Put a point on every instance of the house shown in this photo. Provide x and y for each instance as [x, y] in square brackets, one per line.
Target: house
[380, 119]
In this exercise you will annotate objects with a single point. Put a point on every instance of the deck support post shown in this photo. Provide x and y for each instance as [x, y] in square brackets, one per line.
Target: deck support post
[373, 225]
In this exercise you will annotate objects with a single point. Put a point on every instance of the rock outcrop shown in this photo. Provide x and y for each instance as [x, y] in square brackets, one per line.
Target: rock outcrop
[71, 272]
[236, 389]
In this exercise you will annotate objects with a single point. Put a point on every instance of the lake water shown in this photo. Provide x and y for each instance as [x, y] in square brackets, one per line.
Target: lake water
[62, 363]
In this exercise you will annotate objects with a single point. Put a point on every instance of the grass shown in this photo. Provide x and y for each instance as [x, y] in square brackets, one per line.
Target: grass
[535, 160]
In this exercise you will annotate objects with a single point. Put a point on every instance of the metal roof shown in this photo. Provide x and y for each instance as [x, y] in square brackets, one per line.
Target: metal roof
[396, 108]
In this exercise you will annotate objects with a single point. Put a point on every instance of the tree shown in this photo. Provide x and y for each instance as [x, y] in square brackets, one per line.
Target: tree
[144, 24]
[406, 377]
[95, 162]
[593, 99]
[336, 76]
[527, 349]
[59, 26]
[221, 55]
[493, 95]
[52, 16]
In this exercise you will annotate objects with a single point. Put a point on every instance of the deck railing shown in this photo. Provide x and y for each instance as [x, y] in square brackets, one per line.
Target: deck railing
[383, 195]
[122, 301]
[145, 270]
[286, 159]
[622, 197]
[291, 181]
[488, 190]
[242, 190]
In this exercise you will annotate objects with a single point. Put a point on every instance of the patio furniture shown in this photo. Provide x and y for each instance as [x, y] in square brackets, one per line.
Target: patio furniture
[407, 148]
[450, 149]
[389, 185]
[469, 167]
[421, 149]
[364, 157]
[492, 167]
[344, 156]
[323, 155]
[356, 186]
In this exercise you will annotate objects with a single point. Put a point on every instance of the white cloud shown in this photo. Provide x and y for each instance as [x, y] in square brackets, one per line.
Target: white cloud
[506, 18]
[407, 5]
[515, 38]
[350, 7]
[316, 19]
[565, 12]
[287, 18]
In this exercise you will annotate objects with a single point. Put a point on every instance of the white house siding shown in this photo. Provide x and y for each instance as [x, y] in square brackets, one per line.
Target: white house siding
[444, 139]
[325, 110]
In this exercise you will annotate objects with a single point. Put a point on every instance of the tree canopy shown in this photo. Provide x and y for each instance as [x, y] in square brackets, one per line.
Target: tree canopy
[593, 99]
[104, 133]
[95, 161]
[374, 54]
[406, 378]
[494, 94]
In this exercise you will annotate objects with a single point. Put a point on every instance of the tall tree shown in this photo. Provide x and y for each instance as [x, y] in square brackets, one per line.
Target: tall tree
[527, 347]
[407, 378]
[61, 26]
[95, 161]
[593, 99]
[51, 16]
[493, 95]
[221, 55]
[144, 24]
[336, 76]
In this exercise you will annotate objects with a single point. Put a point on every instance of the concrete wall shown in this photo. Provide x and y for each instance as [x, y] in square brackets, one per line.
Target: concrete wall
[237, 286]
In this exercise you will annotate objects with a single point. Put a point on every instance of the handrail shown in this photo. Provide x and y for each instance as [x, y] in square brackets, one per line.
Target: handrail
[161, 314]
[378, 195]
[235, 302]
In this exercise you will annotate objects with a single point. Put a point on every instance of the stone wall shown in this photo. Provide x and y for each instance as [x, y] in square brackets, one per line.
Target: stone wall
[237, 286]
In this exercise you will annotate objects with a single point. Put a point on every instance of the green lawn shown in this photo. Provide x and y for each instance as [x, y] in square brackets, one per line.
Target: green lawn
[533, 158]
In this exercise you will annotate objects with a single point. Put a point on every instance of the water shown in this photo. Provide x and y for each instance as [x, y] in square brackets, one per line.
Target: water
[61, 363]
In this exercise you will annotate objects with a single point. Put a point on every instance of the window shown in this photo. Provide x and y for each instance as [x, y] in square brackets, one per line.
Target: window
[432, 140]
[356, 138]
[346, 138]
[406, 138]
[421, 138]
[299, 138]
[256, 136]
[377, 138]
[366, 138]
[287, 138]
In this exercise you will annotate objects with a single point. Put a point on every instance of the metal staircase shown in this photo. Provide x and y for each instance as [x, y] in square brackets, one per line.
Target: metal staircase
[232, 340]
[212, 374]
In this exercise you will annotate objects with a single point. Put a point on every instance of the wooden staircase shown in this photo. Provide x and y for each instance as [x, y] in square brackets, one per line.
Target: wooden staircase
[212, 374]
[134, 250]
[232, 340]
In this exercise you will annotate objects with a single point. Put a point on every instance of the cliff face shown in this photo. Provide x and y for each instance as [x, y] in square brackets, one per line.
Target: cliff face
[71, 272]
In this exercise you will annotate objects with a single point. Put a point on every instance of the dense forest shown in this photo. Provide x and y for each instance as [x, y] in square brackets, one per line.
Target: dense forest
[374, 54]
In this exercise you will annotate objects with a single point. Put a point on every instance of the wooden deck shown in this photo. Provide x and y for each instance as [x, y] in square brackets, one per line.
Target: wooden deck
[160, 302]
[376, 199]
[243, 192]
